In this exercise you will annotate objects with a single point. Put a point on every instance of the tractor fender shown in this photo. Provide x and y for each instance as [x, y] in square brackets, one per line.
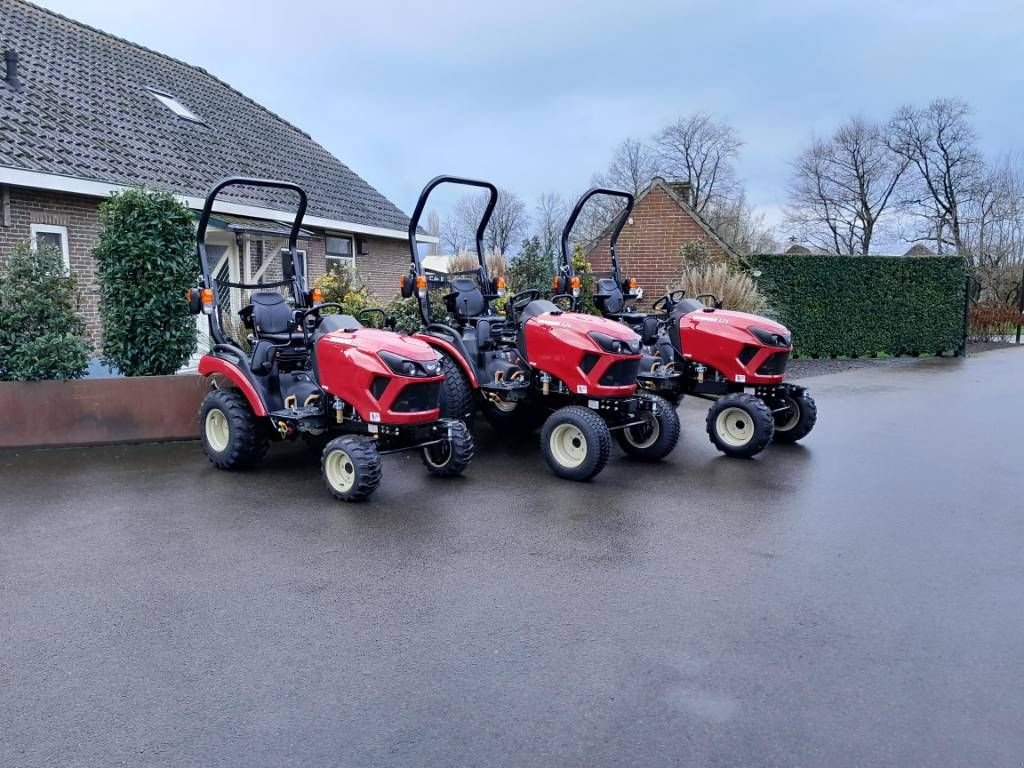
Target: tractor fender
[211, 364]
[453, 352]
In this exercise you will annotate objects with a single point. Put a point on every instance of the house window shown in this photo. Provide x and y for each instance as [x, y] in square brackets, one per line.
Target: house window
[340, 253]
[174, 105]
[52, 235]
[299, 262]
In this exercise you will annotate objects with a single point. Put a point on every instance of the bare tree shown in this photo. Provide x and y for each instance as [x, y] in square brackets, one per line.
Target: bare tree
[842, 186]
[452, 235]
[745, 230]
[508, 223]
[632, 167]
[939, 143]
[992, 229]
[700, 150]
[550, 216]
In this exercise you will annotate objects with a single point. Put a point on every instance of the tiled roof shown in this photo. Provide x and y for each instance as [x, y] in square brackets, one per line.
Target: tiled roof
[85, 111]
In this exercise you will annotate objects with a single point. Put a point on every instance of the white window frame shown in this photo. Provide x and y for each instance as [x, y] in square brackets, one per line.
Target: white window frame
[350, 259]
[301, 253]
[52, 229]
[172, 103]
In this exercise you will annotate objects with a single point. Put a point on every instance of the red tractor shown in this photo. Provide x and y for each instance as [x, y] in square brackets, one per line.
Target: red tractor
[538, 365]
[694, 347]
[357, 392]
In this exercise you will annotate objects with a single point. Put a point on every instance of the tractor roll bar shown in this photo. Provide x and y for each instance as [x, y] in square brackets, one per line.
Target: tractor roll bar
[297, 282]
[616, 230]
[416, 269]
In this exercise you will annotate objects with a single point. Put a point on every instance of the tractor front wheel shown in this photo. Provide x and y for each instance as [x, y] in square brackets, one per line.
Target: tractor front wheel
[655, 438]
[740, 425]
[576, 442]
[233, 436]
[798, 418]
[450, 457]
[351, 467]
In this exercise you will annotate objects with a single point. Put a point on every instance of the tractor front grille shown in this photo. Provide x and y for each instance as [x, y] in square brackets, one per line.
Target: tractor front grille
[621, 373]
[418, 397]
[774, 365]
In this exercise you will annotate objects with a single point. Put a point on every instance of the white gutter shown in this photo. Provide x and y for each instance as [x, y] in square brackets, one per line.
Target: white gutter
[17, 177]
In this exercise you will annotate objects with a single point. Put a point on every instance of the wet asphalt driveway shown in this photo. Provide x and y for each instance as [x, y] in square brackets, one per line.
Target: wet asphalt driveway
[855, 602]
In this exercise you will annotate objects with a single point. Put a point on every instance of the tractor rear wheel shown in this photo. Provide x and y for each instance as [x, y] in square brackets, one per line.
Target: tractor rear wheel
[740, 425]
[798, 419]
[456, 392]
[450, 457]
[351, 467]
[233, 436]
[657, 436]
[576, 442]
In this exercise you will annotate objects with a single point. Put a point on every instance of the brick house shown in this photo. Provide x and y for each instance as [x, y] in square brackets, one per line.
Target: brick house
[662, 222]
[84, 114]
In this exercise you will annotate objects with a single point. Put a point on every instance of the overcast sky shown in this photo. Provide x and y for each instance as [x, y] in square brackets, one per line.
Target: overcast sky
[534, 95]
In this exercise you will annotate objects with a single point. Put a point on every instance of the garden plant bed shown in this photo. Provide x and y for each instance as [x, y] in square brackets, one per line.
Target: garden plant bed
[93, 411]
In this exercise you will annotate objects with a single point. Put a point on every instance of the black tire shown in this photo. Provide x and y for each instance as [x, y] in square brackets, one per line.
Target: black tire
[456, 393]
[450, 457]
[565, 430]
[522, 419]
[740, 425]
[790, 427]
[656, 439]
[351, 467]
[233, 436]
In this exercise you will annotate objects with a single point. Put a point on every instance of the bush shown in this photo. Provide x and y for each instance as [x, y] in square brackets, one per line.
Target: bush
[580, 265]
[531, 269]
[40, 334]
[865, 305]
[342, 286]
[987, 321]
[733, 287]
[145, 262]
[406, 312]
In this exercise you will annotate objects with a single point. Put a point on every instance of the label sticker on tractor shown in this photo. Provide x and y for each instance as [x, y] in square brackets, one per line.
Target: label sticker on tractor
[581, 389]
[373, 429]
[740, 378]
[593, 404]
[374, 415]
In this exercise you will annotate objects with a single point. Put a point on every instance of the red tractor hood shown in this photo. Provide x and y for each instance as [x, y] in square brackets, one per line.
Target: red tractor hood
[740, 320]
[580, 323]
[373, 340]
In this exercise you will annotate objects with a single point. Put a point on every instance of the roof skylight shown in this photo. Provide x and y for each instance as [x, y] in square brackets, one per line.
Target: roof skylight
[175, 106]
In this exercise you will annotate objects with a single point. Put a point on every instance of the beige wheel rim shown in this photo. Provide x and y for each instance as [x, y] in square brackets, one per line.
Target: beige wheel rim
[644, 435]
[340, 471]
[218, 431]
[735, 427]
[443, 450]
[794, 417]
[568, 445]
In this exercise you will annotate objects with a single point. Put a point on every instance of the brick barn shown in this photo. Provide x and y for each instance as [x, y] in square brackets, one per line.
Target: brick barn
[663, 221]
[84, 114]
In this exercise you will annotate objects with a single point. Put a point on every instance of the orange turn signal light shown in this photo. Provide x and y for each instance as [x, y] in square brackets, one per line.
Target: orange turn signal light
[421, 282]
[317, 295]
[631, 283]
[206, 296]
[575, 282]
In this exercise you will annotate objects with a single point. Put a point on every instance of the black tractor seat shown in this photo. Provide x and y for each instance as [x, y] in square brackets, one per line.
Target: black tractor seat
[272, 319]
[466, 302]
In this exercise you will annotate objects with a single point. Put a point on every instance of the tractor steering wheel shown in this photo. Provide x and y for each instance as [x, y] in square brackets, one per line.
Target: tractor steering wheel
[518, 302]
[669, 300]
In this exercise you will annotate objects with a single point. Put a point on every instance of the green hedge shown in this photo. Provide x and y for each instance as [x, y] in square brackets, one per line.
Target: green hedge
[860, 306]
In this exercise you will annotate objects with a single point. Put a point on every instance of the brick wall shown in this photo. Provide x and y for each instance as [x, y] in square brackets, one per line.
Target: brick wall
[382, 268]
[80, 216]
[649, 247]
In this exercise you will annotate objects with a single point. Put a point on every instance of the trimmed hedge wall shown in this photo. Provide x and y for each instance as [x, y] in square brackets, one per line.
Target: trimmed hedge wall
[860, 306]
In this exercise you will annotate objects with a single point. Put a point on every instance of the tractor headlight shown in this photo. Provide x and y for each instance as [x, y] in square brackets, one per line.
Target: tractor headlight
[414, 368]
[615, 346]
[770, 338]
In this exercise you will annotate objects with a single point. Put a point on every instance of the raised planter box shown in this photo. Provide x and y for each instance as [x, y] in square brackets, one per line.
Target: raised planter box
[94, 411]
